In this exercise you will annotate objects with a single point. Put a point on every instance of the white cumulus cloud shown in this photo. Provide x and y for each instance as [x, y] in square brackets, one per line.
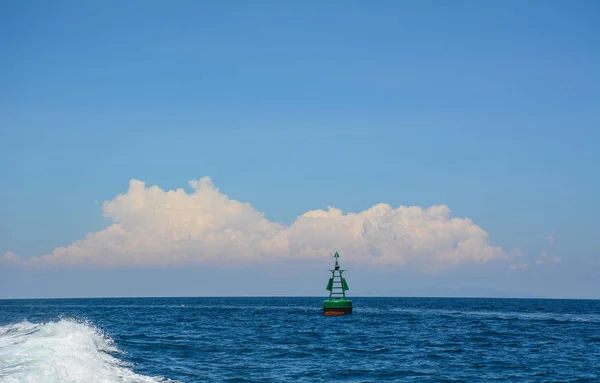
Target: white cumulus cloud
[545, 258]
[520, 266]
[152, 226]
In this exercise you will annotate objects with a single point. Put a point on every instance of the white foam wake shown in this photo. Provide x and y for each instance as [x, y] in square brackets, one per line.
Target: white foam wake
[64, 351]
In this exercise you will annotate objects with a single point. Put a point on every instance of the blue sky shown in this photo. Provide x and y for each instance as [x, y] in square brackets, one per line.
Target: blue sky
[490, 108]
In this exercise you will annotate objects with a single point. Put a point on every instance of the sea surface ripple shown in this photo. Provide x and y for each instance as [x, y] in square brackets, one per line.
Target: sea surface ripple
[288, 340]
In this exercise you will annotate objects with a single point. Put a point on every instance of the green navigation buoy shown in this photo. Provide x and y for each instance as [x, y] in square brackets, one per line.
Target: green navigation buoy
[337, 304]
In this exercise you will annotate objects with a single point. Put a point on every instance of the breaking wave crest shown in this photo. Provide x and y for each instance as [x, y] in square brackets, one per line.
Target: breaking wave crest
[67, 351]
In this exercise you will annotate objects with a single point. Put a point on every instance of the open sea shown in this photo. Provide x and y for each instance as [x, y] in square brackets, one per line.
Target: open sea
[288, 340]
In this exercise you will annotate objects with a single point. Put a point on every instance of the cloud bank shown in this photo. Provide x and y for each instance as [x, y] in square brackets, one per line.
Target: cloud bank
[156, 227]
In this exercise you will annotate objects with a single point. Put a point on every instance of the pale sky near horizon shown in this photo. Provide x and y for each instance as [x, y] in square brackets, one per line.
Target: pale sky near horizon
[152, 148]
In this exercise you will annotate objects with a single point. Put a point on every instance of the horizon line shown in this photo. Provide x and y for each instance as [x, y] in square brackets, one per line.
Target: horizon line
[297, 296]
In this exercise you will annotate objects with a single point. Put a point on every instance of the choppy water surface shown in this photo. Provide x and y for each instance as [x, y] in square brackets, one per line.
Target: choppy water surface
[288, 340]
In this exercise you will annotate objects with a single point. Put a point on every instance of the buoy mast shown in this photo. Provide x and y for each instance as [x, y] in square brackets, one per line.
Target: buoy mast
[337, 304]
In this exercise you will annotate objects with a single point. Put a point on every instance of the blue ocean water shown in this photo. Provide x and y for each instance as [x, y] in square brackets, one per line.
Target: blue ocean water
[288, 340]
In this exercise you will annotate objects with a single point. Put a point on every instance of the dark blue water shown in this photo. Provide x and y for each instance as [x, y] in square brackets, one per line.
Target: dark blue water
[288, 340]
